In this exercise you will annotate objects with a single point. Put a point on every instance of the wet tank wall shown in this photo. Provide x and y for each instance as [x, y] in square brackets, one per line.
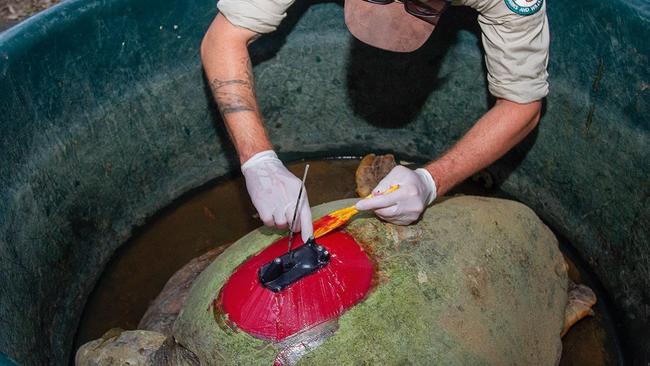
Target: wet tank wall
[106, 118]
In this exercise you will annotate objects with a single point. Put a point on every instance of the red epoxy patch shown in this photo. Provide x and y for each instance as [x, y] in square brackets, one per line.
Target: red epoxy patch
[314, 299]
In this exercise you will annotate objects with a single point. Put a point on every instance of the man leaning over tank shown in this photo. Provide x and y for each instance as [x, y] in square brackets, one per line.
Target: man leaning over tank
[515, 37]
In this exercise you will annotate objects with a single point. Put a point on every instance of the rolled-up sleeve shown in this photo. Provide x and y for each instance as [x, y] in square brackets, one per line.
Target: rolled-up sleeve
[516, 53]
[260, 16]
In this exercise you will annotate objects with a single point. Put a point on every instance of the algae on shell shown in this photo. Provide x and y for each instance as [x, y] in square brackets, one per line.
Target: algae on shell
[475, 281]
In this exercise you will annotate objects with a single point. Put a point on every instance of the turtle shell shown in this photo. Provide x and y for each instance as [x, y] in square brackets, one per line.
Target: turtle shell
[475, 281]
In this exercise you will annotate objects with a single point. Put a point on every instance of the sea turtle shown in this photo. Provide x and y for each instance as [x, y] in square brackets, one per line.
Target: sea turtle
[476, 281]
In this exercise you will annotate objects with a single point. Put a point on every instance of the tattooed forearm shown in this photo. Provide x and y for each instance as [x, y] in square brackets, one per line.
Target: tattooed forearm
[235, 99]
[232, 102]
[236, 95]
[217, 84]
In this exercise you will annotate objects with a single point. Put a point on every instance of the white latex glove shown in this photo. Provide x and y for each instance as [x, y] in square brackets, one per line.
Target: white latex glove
[405, 205]
[274, 191]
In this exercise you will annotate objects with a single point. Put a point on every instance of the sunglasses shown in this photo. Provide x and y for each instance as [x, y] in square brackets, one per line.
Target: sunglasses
[427, 10]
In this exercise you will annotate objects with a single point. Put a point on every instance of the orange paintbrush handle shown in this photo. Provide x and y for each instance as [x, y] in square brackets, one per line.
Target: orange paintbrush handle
[338, 218]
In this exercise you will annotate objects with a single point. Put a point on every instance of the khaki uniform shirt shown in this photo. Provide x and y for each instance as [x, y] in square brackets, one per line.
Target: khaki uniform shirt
[515, 37]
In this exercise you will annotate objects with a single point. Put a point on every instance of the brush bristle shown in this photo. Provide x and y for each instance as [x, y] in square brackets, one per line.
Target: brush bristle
[333, 221]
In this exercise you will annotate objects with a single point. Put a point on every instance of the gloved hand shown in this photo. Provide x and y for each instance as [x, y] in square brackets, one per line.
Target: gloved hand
[405, 205]
[274, 191]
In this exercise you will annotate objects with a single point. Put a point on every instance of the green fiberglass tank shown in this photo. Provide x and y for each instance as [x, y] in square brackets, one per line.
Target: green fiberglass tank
[106, 118]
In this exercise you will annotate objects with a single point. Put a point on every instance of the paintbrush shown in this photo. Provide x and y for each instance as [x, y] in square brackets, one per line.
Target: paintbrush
[338, 218]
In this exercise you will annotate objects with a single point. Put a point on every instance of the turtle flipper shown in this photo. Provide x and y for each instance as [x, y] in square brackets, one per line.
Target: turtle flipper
[580, 300]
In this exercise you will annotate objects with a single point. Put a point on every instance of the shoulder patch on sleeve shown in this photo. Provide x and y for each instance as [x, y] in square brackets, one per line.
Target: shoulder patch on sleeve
[524, 7]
